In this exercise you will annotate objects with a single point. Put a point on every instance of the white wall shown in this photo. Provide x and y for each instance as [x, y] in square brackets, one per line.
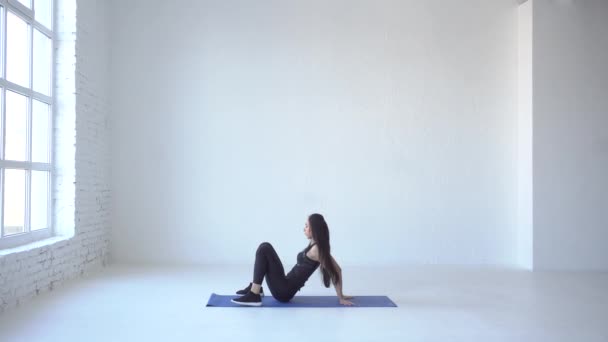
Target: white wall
[235, 119]
[82, 195]
[570, 134]
[524, 138]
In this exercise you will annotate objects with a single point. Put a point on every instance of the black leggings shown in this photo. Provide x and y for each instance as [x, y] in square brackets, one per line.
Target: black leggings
[268, 263]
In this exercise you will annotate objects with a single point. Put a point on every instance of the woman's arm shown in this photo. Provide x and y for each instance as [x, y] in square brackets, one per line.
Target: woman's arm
[338, 286]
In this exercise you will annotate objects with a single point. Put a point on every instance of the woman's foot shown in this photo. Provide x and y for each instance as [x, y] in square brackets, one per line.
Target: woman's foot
[247, 289]
[250, 299]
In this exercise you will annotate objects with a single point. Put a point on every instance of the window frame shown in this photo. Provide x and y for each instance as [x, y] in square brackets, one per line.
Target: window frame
[28, 15]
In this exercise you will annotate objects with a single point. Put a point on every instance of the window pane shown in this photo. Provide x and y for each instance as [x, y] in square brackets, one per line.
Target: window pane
[42, 63]
[40, 200]
[14, 201]
[40, 131]
[26, 3]
[43, 12]
[16, 123]
[17, 56]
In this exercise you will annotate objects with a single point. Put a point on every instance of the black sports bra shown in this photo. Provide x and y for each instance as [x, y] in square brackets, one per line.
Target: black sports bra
[304, 268]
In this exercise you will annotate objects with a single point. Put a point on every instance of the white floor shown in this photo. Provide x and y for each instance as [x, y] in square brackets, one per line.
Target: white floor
[128, 303]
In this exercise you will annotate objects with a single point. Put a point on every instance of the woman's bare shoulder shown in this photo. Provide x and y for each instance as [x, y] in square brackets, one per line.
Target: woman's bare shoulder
[313, 253]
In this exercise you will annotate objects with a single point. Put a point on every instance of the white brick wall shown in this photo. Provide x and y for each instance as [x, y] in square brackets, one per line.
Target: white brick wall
[82, 156]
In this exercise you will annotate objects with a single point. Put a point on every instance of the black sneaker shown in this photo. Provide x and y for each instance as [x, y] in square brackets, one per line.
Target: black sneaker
[250, 299]
[247, 289]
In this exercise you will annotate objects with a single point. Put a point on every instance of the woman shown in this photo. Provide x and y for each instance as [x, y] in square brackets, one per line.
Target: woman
[284, 287]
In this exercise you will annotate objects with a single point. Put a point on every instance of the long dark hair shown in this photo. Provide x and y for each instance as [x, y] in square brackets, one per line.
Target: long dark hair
[320, 233]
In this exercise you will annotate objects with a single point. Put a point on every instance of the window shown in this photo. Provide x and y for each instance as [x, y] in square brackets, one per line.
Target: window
[26, 102]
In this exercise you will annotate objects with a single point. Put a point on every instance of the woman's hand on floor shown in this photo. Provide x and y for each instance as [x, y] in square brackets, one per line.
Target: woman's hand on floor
[344, 301]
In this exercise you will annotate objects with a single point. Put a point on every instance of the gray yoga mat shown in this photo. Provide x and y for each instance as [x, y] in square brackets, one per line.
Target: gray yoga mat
[216, 300]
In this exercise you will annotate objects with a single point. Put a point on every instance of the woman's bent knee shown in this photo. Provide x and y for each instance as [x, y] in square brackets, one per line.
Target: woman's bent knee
[264, 245]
